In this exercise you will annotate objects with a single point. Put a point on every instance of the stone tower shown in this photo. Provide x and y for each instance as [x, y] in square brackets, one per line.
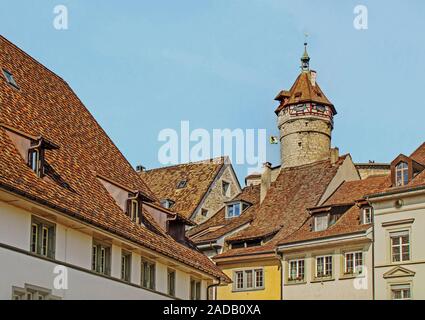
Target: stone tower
[305, 119]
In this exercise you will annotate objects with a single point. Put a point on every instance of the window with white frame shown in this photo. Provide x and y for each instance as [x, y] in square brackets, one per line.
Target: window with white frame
[42, 238]
[171, 282]
[248, 279]
[401, 292]
[31, 292]
[367, 215]
[101, 258]
[148, 274]
[235, 209]
[323, 266]
[296, 270]
[125, 265]
[401, 174]
[400, 246]
[321, 222]
[195, 289]
[353, 262]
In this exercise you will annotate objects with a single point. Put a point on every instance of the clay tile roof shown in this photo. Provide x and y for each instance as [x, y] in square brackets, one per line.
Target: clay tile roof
[303, 91]
[198, 175]
[44, 105]
[285, 205]
[351, 191]
[347, 194]
[419, 154]
[220, 226]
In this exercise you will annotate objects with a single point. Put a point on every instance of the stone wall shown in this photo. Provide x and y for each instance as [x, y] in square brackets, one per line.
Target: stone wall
[215, 198]
[304, 139]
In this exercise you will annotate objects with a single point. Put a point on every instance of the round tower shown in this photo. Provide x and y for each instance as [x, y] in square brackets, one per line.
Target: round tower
[305, 119]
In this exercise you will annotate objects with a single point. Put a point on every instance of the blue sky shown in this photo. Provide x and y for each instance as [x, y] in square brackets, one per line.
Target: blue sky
[142, 66]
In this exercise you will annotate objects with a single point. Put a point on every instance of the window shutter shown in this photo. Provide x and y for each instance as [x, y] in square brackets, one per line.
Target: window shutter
[108, 261]
[128, 209]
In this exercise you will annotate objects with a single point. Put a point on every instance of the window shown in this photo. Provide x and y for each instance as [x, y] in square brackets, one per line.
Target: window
[101, 258]
[204, 212]
[34, 160]
[148, 275]
[125, 265]
[367, 215]
[248, 279]
[233, 210]
[171, 280]
[400, 246]
[321, 222]
[323, 266]
[296, 270]
[31, 292]
[353, 262]
[226, 188]
[401, 174]
[167, 203]
[9, 78]
[134, 209]
[182, 184]
[42, 238]
[195, 289]
[400, 292]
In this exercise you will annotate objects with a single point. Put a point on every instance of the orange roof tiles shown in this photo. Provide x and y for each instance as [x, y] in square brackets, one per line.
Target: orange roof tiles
[199, 176]
[46, 106]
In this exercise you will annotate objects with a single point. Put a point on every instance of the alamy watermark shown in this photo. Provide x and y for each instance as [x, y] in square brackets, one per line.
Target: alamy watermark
[242, 146]
[360, 21]
[60, 21]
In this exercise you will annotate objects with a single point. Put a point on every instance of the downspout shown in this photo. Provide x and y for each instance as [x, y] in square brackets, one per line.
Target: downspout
[212, 286]
[373, 250]
[280, 258]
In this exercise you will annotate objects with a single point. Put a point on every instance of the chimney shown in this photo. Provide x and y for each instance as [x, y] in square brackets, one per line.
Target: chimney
[334, 155]
[266, 179]
[140, 168]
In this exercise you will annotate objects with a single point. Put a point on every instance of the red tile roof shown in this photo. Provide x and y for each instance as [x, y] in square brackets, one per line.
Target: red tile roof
[199, 176]
[419, 154]
[284, 209]
[46, 106]
[303, 91]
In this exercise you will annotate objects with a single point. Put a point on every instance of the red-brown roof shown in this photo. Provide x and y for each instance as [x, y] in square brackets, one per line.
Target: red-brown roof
[285, 207]
[199, 176]
[303, 91]
[44, 105]
[346, 196]
[419, 154]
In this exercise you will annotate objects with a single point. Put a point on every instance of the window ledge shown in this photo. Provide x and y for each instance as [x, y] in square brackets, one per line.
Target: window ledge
[316, 280]
[295, 282]
[247, 290]
[351, 276]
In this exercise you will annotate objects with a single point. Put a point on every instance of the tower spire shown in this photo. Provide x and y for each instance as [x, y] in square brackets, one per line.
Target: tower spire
[305, 59]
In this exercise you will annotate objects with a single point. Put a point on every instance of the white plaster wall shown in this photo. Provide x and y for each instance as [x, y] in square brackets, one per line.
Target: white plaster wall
[337, 289]
[414, 208]
[15, 226]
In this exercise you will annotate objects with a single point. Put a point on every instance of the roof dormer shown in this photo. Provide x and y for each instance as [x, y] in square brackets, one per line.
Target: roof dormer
[403, 170]
[36, 155]
[236, 208]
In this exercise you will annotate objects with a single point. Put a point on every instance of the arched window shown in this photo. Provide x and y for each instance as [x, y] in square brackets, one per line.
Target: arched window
[401, 174]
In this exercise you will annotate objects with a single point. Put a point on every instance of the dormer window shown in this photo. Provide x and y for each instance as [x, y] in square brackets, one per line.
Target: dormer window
[36, 154]
[401, 174]
[34, 160]
[133, 208]
[167, 203]
[9, 78]
[321, 222]
[367, 216]
[235, 209]
[182, 184]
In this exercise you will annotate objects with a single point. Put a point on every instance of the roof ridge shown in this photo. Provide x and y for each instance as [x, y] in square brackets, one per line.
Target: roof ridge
[206, 161]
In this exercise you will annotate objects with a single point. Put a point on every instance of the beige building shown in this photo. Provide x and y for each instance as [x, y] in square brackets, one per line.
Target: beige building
[399, 213]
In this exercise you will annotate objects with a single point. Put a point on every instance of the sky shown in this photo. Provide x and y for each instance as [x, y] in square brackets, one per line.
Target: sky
[144, 66]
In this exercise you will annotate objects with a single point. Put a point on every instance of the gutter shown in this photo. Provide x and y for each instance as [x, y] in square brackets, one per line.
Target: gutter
[391, 194]
[279, 256]
[214, 285]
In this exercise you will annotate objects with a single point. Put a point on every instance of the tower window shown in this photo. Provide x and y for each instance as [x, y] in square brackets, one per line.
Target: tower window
[9, 78]
[401, 174]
